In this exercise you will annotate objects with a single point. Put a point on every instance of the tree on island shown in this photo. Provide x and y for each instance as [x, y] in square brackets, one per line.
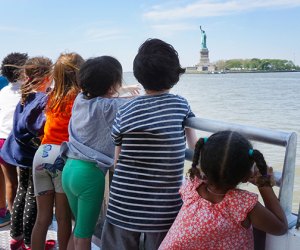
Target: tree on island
[257, 64]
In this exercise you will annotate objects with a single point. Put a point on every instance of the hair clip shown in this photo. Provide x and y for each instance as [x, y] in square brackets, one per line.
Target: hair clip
[205, 139]
[250, 152]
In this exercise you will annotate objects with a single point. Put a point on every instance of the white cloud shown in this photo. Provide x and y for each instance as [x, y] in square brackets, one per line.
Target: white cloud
[12, 29]
[6, 28]
[103, 34]
[207, 8]
[172, 27]
[100, 31]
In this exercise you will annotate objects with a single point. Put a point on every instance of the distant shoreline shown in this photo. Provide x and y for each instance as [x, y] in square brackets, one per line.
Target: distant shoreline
[239, 71]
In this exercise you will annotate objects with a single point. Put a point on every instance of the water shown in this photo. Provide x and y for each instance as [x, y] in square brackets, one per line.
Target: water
[270, 100]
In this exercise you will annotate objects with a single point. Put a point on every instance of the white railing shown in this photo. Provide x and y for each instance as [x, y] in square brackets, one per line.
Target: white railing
[284, 179]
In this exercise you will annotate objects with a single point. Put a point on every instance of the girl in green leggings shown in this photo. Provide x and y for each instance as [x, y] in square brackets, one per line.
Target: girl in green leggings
[90, 151]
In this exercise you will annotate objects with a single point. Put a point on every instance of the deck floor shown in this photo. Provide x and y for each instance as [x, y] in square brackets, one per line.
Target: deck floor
[52, 234]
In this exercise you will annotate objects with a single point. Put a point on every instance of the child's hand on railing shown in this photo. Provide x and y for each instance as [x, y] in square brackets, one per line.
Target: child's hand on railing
[262, 180]
[133, 90]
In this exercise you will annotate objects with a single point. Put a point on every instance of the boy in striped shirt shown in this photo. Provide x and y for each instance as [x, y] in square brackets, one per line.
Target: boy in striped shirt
[150, 140]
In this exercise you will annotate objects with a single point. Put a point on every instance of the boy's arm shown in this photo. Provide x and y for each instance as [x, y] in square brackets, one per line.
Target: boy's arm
[117, 152]
[191, 137]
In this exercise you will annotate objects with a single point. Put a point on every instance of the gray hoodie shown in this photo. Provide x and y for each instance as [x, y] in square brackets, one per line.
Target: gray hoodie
[90, 130]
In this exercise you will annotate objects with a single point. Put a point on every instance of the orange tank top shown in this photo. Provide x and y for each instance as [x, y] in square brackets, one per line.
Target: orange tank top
[57, 122]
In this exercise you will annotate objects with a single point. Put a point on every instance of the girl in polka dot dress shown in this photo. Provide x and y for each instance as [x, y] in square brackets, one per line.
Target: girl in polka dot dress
[22, 143]
[217, 215]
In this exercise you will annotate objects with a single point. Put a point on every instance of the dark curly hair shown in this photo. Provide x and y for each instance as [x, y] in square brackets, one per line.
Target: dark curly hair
[11, 66]
[225, 159]
[97, 75]
[156, 65]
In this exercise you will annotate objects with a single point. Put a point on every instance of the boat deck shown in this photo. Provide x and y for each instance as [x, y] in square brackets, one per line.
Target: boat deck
[52, 234]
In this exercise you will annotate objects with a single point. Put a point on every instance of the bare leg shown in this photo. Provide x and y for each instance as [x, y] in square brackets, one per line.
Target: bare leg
[43, 220]
[11, 183]
[82, 243]
[63, 217]
[71, 245]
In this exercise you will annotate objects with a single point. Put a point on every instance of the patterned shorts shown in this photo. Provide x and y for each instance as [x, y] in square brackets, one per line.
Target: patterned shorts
[47, 168]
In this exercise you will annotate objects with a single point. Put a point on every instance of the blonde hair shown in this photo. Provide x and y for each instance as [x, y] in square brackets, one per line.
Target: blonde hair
[35, 70]
[65, 76]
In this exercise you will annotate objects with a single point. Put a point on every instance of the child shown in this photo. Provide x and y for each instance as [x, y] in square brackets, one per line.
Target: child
[90, 150]
[150, 139]
[217, 215]
[3, 82]
[9, 98]
[46, 174]
[23, 141]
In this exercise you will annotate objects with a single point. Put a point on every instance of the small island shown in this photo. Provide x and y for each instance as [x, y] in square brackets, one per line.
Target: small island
[254, 65]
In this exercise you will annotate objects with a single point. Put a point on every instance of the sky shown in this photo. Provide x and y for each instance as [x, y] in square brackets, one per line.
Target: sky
[235, 28]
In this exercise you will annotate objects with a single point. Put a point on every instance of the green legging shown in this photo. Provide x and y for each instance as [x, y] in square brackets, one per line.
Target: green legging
[83, 183]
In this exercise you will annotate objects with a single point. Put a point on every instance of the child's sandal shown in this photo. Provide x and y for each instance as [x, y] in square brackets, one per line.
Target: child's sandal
[49, 244]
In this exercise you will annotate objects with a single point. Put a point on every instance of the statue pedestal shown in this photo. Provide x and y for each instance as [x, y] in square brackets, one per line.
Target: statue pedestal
[204, 56]
[204, 64]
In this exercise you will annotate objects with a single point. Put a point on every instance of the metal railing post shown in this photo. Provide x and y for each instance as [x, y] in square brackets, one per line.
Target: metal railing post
[288, 174]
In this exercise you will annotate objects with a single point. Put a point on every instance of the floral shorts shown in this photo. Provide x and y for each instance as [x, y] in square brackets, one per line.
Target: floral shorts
[47, 169]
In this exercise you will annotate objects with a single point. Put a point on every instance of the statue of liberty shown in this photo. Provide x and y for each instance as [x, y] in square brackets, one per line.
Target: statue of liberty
[203, 39]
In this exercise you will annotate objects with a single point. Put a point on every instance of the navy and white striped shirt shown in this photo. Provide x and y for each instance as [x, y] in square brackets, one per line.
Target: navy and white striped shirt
[144, 191]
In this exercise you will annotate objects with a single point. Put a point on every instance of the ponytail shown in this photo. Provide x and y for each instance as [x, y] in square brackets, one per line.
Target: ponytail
[194, 171]
[26, 89]
[260, 162]
[66, 83]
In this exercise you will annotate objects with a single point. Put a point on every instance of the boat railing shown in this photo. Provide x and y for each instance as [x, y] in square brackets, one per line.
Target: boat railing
[284, 179]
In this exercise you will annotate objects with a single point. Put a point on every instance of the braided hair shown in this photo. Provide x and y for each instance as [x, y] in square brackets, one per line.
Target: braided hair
[194, 171]
[260, 162]
[225, 159]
